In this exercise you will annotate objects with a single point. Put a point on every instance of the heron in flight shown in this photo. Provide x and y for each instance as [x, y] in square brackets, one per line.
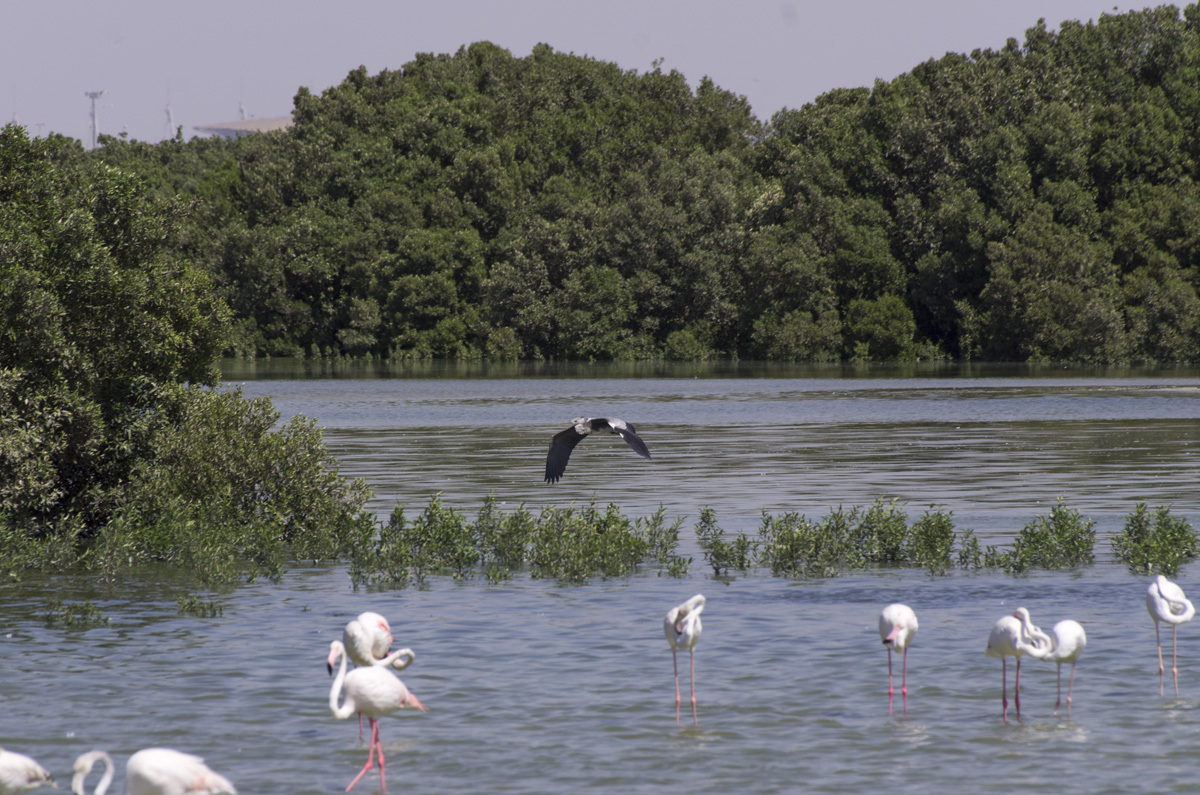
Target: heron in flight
[564, 441]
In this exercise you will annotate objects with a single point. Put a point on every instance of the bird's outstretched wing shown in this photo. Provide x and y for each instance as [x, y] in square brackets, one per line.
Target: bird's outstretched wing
[560, 452]
[633, 440]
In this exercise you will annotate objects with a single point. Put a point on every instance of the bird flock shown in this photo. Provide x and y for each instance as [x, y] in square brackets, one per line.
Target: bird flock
[373, 689]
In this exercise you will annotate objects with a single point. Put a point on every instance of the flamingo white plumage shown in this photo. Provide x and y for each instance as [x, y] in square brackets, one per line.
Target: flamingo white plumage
[1165, 602]
[372, 690]
[154, 771]
[1067, 642]
[20, 773]
[682, 628]
[897, 628]
[368, 640]
[1012, 636]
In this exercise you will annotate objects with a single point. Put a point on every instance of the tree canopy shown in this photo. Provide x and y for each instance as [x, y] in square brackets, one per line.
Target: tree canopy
[1038, 202]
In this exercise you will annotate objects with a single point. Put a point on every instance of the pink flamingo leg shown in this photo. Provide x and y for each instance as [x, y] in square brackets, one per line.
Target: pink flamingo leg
[1058, 697]
[1174, 668]
[1017, 690]
[695, 719]
[675, 665]
[891, 690]
[1004, 686]
[370, 756]
[1070, 687]
[904, 679]
[1158, 643]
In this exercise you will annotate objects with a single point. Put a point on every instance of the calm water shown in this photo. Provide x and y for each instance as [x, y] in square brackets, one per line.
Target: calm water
[538, 688]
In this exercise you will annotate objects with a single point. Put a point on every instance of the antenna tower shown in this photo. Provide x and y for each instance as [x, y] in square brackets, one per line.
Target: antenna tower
[95, 95]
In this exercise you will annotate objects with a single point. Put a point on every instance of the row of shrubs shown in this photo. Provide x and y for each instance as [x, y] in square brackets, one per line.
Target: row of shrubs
[577, 543]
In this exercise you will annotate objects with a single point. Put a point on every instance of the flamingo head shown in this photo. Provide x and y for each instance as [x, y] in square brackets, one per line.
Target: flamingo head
[336, 650]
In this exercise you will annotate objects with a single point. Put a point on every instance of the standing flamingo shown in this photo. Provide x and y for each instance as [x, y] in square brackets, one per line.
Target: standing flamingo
[1013, 636]
[1166, 602]
[19, 773]
[154, 771]
[682, 628]
[371, 690]
[368, 640]
[1067, 641]
[897, 628]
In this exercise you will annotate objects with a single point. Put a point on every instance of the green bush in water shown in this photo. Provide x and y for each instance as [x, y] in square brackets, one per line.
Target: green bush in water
[1155, 546]
[723, 555]
[1063, 540]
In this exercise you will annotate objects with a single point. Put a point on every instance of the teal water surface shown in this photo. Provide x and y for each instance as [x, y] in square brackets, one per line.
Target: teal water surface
[533, 687]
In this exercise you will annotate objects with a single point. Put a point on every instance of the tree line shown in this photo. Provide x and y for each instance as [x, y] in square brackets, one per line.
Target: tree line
[1034, 203]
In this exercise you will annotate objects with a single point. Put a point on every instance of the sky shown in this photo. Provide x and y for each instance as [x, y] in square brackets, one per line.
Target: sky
[207, 60]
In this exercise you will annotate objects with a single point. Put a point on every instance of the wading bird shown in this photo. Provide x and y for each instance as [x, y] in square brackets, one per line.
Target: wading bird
[372, 690]
[1166, 602]
[154, 771]
[1013, 636]
[564, 441]
[682, 628]
[19, 773]
[897, 628]
[368, 640]
[1067, 641]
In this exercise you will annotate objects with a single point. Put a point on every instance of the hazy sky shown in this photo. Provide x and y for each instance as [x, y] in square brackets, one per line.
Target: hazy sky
[206, 56]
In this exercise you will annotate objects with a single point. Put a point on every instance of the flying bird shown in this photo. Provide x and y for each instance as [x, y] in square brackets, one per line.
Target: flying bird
[1067, 642]
[154, 771]
[1013, 636]
[897, 628]
[564, 441]
[682, 628]
[371, 690]
[1165, 602]
[19, 773]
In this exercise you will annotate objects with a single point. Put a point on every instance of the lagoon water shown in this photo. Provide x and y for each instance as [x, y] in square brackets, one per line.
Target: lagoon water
[535, 687]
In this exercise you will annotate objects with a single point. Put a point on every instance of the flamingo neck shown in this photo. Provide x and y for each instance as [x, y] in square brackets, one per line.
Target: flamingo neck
[335, 692]
[77, 785]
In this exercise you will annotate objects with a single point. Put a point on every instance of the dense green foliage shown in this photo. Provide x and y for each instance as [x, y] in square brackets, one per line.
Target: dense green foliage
[112, 448]
[1062, 540]
[1158, 545]
[570, 545]
[1039, 202]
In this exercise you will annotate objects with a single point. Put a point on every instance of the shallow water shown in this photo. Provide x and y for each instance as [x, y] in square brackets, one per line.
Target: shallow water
[538, 688]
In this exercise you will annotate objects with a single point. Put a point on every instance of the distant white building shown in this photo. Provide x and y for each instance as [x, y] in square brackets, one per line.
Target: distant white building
[232, 129]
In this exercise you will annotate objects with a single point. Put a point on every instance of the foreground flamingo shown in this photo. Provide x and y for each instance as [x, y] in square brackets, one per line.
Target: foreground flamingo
[682, 628]
[19, 773]
[1013, 636]
[154, 771]
[372, 690]
[1165, 602]
[368, 640]
[897, 628]
[1067, 642]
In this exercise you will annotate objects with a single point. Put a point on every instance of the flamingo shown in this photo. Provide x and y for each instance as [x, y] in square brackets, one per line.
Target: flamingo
[154, 771]
[20, 773]
[371, 690]
[682, 628]
[1165, 602]
[897, 628]
[368, 639]
[1013, 636]
[1067, 641]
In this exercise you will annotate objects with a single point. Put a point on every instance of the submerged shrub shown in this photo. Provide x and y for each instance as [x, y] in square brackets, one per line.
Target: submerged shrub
[930, 541]
[880, 533]
[793, 546]
[1155, 546]
[1064, 540]
[227, 495]
[74, 614]
[722, 555]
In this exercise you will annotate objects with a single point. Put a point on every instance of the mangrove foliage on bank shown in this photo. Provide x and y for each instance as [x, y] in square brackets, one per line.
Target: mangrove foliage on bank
[1038, 202]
